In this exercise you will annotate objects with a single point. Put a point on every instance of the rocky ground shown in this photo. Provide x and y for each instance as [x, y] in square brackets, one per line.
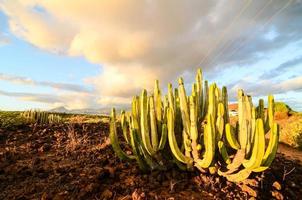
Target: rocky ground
[77, 162]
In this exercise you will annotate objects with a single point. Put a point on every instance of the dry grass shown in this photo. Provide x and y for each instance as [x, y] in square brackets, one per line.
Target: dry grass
[291, 130]
[74, 140]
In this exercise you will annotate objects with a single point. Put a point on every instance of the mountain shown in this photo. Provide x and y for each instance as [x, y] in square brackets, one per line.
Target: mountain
[60, 109]
[88, 111]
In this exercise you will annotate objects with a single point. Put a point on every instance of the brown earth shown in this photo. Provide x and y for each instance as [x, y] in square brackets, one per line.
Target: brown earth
[77, 162]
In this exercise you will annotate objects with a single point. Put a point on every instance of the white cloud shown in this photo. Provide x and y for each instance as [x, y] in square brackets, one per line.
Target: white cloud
[137, 41]
[55, 85]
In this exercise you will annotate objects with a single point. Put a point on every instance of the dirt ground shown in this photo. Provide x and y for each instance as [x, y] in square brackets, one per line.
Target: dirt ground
[77, 162]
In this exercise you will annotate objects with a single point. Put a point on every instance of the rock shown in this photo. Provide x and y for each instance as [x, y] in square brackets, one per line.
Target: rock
[292, 184]
[107, 194]
[248, 190]
[277, 195]
[44, 196]
[277, 185]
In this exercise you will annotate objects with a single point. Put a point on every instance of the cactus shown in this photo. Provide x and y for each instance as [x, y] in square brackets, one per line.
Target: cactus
[195, 130]
[41, 117]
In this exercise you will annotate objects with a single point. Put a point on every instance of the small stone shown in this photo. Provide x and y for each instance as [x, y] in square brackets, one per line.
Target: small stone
[292, 184]
[107, 194]
[249, 190]
[277, 185]
[277, 195]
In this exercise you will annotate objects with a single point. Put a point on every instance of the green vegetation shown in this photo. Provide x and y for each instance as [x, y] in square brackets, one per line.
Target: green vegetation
[195, 132]
[291, 132]
[11, 119]
[41, 117]
[282, 107]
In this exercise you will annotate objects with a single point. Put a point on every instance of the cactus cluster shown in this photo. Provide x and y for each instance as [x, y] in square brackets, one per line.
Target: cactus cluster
[194, 131]
[41, 117]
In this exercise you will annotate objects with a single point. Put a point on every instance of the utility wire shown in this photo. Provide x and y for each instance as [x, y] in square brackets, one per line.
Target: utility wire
[269, 21]
[224, 32]
[226, 44]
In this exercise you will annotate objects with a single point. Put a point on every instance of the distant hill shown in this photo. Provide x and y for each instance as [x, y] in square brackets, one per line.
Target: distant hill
[88, 111]
[60, 109]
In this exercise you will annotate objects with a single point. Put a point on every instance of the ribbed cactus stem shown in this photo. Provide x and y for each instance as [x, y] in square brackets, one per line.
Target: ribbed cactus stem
[193, 128]
[171, 97]
[154, 136]
[135, 113]
[260, 110]
[124, 125]
[270, 113]
[172, 140]
[114, 139]
[184, 107]
[253, 125]
[144, 123]
[248, 118]
[243, 124]
[272, 147]
[209, 141]
[231, 137]
[220, 121]
[158, 104]
[134, 141]
[258, 147]
[212, 108]
[199, 90]
[225, 102]
[206, 99]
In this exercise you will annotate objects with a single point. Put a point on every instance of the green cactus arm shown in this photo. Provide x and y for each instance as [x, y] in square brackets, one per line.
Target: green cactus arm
[225, 102]
[248, 118]
[272, 148]
[114, 139]
[145, 132]
[205, 100]
[135, 113]
[242, 135]
[212, 106]
[258, 147]
[260, 110]
[184, 106]
[223, 152]
[136, 151]
[124, 126]
[154, 136]
[270, 114]
[231, 138]
[193, 128]
[199, 90]
[220, 122]
[171, 98]
[163, 139]
[253, 125]
[209, 140]
[259, 169]
[158, 105]
[172, 140]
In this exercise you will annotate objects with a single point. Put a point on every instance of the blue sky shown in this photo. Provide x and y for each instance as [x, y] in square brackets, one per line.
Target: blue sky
[95, 55]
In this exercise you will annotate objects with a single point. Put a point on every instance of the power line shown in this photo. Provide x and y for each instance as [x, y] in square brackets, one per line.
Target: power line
[230, 44]
[269, 21]
[224, 32]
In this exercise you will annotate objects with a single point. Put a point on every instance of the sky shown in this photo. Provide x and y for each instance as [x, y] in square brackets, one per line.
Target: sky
[98, 54]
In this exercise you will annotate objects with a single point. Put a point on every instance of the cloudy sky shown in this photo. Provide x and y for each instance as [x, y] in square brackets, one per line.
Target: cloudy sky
[94, 54]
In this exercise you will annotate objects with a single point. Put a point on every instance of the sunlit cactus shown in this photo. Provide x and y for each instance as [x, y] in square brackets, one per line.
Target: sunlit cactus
[41, 117]
[195, 131]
